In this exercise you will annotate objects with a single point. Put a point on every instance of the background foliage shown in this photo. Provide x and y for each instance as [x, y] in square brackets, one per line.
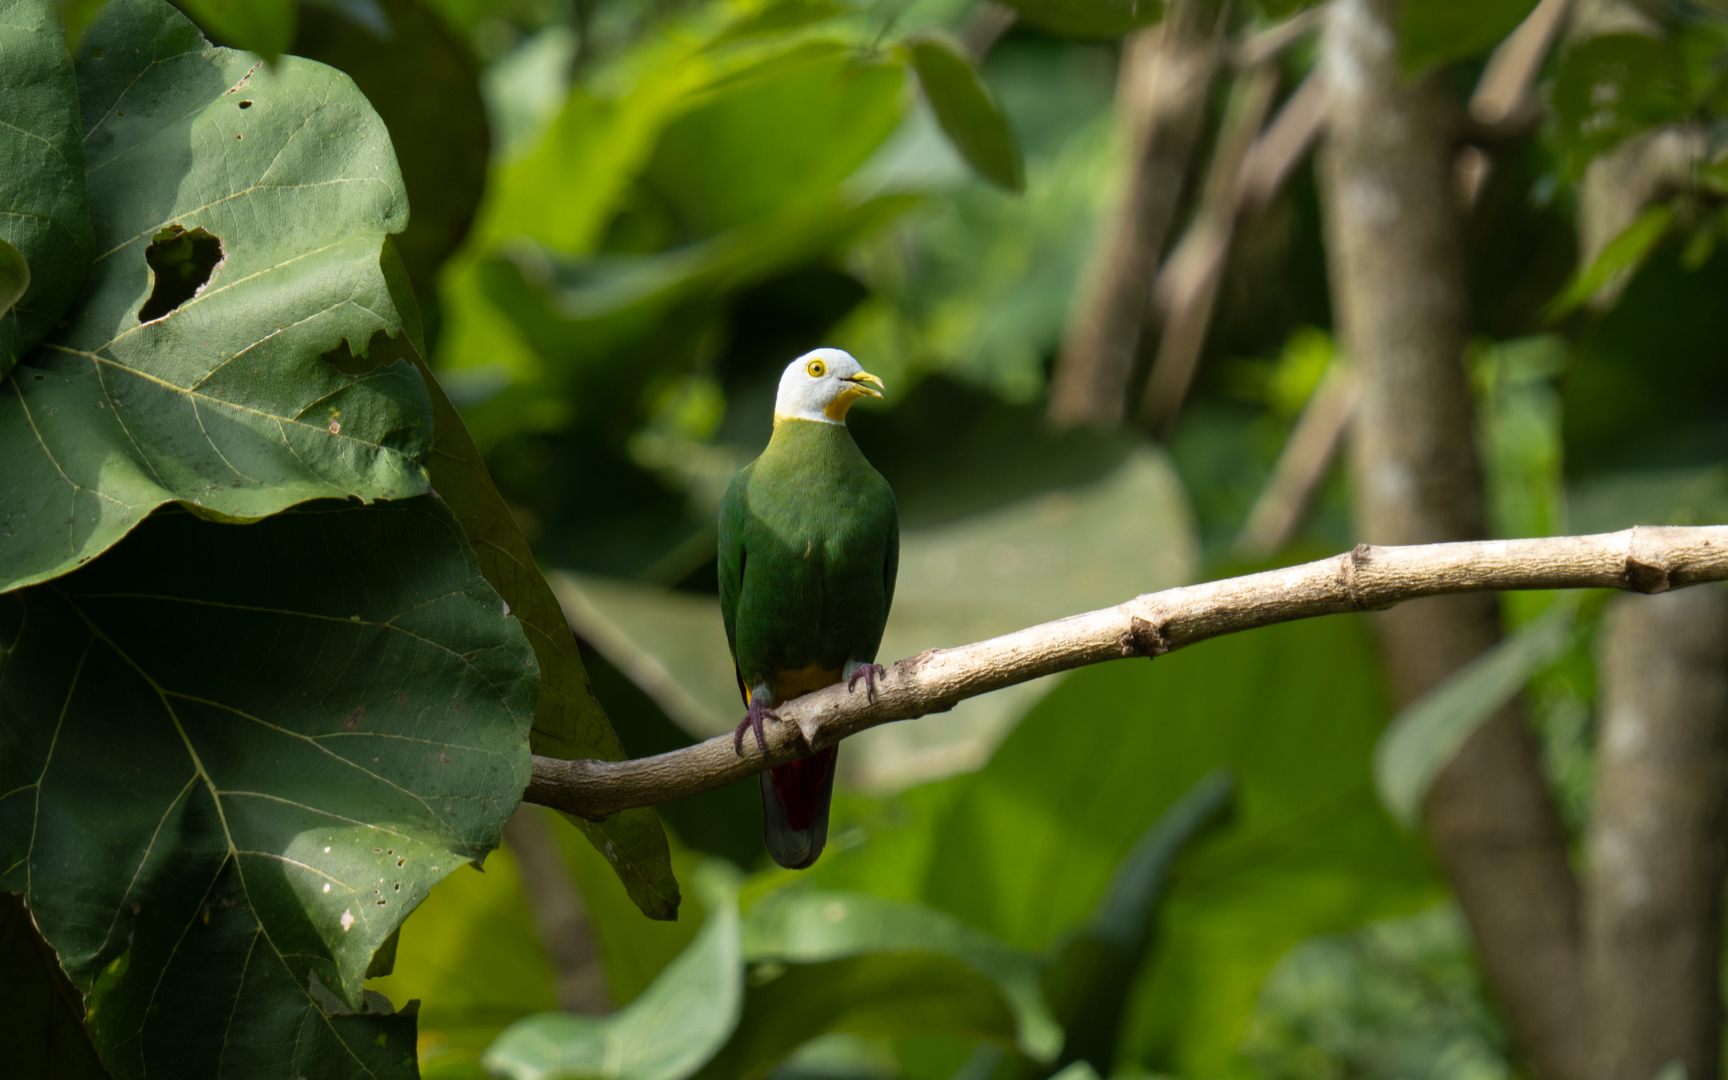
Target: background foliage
[328, 348]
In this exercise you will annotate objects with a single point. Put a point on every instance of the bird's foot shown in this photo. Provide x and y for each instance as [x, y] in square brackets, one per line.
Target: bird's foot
[753, 720]
[869, 673]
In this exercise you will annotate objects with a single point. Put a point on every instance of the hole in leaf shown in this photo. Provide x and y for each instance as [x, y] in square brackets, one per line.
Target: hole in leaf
[380, 348]
[181, 263]
[245, 103]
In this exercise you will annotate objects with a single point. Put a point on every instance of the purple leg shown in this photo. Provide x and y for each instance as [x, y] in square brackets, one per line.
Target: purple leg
[753, 720]
[869, 673]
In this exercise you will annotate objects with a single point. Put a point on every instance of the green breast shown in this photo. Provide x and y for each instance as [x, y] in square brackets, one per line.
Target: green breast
[809, 545]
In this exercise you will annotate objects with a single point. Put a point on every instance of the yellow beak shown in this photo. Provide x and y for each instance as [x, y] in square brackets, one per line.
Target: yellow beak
[859, 380]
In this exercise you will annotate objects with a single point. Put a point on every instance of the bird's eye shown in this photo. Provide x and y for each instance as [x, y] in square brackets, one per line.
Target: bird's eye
[816, 368]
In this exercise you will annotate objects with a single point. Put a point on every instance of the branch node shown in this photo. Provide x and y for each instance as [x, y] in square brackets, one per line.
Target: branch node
[1644, 578]
[1142, 638]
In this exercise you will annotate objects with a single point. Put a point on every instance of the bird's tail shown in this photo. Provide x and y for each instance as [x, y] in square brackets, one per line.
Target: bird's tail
[795, 801]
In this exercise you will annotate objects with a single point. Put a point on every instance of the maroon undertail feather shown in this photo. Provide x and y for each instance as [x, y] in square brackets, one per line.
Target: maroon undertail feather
[800, 786]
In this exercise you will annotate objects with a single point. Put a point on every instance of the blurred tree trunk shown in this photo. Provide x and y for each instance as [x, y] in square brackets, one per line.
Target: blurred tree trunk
[1657, 853]
[1161, 96]
[560, 916]
[1394, 245]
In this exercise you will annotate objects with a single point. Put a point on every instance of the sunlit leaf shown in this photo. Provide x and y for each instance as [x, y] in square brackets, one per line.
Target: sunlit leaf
[265, 27]
[967, 112]
[237, 756]
[1422, 739]
[46, 223]
[667, 1033]
[286, 175]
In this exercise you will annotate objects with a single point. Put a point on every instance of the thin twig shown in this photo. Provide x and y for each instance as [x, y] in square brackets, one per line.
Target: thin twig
[1500, 104]
[1283, 143]
[1266, 44]
[1644, 559]
[1187, 287]
[1163, 86]
[1305, 458]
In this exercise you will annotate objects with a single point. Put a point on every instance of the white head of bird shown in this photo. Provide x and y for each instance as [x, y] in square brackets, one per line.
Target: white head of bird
[821, 385]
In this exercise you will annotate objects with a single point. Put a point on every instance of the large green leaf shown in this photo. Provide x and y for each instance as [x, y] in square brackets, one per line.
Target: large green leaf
[969, 116]
[781, 134]
[44, 216]
[1028, 848]
[668, 1032]
[235, 758]
[224, 402]
[806, 926]
[1090, 979]
[568, 721]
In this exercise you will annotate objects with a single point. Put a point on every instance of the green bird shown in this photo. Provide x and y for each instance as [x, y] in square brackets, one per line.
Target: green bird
[809, 547]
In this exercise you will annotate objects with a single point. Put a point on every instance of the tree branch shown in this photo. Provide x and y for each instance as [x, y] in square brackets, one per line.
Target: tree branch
[1644, 559]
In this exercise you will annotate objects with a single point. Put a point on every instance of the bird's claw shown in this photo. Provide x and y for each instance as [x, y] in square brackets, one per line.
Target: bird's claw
[869, 673]
[753, 721]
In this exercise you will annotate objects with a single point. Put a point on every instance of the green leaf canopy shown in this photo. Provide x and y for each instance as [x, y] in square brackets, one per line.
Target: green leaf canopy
[42, 210]
[224, 402]
[232, 759]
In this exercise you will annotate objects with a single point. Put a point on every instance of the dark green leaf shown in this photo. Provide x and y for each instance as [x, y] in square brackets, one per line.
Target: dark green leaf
[1611, 87]
[46, 220]
[1622, 257]
[973, 121]
[1089, 18]
[877, 994]
[1440, 31]
[568, 722]
[41, 1016]
[1094, 972]
[668, 1032]
[262, 26]
[224, 403]
[814, 926]
[235, 758]
[1029, 847]
[422, 80]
